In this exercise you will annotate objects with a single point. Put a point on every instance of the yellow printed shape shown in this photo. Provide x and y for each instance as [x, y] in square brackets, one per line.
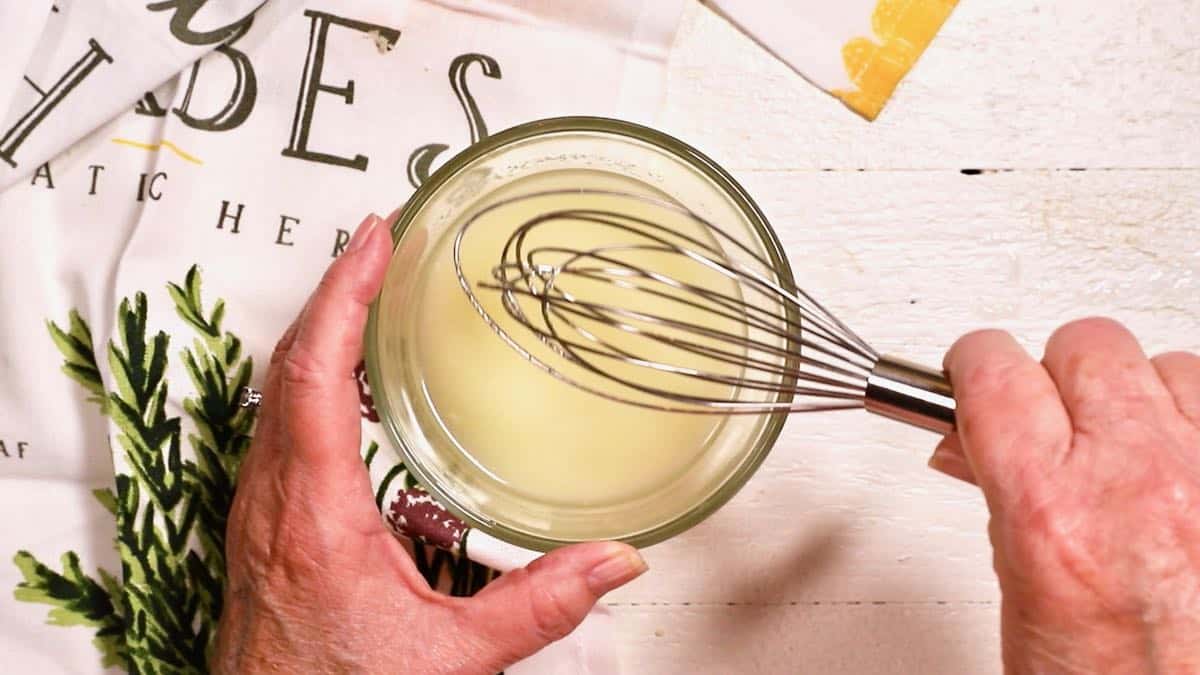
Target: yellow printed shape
[163, 144]
[903, 29]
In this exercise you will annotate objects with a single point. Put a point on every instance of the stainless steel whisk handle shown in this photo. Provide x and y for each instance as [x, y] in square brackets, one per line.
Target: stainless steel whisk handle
[911, 393]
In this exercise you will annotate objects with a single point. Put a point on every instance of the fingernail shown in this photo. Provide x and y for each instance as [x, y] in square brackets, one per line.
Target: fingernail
[952, 464]
[363, 233]
[391, 219]
[621, 565]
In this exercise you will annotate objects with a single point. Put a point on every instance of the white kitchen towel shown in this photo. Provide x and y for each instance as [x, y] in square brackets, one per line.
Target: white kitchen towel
[163, 220]
[857, 50]
[175, 176]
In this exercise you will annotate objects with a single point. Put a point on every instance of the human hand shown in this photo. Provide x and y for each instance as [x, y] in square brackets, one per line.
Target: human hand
[1090, 464]
[316, 582]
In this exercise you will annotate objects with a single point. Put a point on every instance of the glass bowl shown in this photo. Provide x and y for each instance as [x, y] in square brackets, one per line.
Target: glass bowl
[505, 446]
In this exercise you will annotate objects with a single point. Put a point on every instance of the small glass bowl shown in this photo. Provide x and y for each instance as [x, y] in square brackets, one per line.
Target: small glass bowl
[664, 165]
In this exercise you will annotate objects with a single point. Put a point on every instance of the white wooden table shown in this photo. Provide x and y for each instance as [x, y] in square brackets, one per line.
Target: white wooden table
[845, 554]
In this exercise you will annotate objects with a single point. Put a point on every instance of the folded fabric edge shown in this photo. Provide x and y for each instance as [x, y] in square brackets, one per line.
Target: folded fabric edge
[874, 65]
[643, 88]
[650, 35]
[127, 30]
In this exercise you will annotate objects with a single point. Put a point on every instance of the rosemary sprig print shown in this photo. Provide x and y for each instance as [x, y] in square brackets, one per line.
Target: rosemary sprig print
[78, 600]
[170, 510]
[177, 471]
[218, 372]
[79, 356]
[170, 591]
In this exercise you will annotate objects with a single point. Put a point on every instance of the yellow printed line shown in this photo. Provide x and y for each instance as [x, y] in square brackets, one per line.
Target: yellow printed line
[155, 146]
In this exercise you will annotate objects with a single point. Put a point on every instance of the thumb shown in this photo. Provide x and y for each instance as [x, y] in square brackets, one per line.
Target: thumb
[527, 609]
[319, 396]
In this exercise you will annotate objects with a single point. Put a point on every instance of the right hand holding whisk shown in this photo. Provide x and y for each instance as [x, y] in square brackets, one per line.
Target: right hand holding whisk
[1090, 464]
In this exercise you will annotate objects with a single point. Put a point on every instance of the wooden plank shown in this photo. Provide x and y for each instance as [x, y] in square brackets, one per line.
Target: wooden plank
[1007, 83]
[862, 639]
[845, 509]
[913, 253]
[1021, 250]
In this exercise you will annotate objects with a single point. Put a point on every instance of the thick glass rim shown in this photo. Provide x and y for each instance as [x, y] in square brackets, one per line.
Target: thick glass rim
[722, 180]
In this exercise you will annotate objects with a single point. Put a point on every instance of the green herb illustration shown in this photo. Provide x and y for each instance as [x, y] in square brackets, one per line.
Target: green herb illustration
[170, 510]
[78, 600]
[171, 506]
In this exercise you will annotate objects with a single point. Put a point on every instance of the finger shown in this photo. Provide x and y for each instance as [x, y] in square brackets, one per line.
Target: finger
[266, 422]
[527, 609]
[1009, 415]
[1102, 373]
[271, 390]
[318, 392]
[948, 458]
[289, 336]
[1180, 374]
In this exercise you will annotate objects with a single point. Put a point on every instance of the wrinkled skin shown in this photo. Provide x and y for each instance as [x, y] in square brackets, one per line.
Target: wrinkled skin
[317, 583]
[1090, 464]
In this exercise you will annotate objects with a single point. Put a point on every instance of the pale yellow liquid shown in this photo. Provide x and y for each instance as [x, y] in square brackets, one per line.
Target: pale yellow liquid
[544, 440]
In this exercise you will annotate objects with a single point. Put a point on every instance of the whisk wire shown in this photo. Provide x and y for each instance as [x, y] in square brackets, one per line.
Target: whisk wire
[737, 310]
[786, 345]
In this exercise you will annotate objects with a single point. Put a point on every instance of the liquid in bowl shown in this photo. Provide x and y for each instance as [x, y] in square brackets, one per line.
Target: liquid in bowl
[503, 444]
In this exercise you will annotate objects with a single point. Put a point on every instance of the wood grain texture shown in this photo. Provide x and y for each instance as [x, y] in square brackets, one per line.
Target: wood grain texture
[845, 554]
[912, 260]
[1007, 83]
[816, 639]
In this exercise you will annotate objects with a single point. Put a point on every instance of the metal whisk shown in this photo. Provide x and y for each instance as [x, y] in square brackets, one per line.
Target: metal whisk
[671, 312]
